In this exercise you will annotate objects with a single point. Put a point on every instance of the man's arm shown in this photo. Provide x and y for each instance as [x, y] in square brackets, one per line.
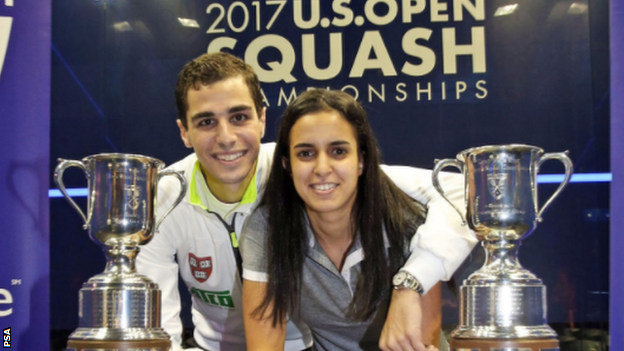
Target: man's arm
[156, 260]
[440, 245]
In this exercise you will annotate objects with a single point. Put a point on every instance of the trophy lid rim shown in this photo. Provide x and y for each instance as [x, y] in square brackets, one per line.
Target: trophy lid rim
[122, 156]
[505, 147]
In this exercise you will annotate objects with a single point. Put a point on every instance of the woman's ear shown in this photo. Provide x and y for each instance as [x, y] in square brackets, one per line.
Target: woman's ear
[286, 165]
[361, 164]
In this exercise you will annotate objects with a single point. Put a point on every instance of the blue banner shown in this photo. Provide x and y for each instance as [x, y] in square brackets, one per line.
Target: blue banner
[25, 27]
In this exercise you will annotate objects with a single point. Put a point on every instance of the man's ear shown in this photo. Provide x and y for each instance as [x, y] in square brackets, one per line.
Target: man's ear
[184, 134]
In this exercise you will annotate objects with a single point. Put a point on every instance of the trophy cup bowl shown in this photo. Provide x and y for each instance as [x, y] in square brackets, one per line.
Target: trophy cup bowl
[502, 305]
[119, 309]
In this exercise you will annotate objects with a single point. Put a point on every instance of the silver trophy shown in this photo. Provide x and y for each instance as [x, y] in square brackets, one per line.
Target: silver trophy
[502, 305]
[119, 309]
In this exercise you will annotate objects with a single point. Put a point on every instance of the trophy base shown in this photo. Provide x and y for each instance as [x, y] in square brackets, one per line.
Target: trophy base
[504, 344]
[119, 345]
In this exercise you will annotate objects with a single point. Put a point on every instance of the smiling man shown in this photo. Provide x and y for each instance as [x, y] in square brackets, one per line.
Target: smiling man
[224, 128]
[222, 118]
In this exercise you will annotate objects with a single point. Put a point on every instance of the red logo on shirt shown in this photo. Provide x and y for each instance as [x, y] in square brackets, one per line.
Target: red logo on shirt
[201, 267]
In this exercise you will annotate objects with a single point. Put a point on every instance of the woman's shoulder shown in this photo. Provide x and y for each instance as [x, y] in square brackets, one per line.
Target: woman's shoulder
[254, 233]
[257, 222]
[259, 215]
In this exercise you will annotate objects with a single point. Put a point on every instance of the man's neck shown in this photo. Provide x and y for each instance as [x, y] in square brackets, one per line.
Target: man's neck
[229, 193]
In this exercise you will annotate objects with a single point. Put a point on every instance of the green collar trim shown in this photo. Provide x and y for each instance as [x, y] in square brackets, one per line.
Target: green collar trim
[194, 197]
[251, 193]
[249, 197]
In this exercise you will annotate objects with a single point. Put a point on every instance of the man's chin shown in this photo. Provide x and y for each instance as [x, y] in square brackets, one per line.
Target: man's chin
[231, 177]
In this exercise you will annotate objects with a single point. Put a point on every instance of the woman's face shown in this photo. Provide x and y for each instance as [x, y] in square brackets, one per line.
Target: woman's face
[325, 163]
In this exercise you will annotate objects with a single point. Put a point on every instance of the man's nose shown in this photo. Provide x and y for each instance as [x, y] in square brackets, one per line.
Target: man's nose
[226, 136]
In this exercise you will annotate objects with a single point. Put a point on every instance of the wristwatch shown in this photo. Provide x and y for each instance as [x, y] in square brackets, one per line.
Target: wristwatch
[404, 280]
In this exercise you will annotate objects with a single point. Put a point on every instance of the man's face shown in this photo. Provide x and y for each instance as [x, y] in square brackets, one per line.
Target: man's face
[224, 130]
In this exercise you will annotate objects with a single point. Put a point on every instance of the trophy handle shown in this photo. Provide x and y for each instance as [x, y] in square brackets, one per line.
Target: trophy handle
[180, 196]
[439, 165]
[567, 163]
[58, 179]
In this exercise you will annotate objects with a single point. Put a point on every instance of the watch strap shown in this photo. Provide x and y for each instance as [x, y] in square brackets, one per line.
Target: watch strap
[410, 282]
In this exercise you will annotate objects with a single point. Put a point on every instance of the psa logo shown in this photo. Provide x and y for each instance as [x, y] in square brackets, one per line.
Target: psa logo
[5, 33]
[6, 338]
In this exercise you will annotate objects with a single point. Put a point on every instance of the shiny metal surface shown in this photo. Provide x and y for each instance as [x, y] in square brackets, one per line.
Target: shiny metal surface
[501, 188]
[118, 349]
[501, 265]
[124, 334]
[502, 300]
[503, 311]
[122, 193]
[120, 304]
[141, 345]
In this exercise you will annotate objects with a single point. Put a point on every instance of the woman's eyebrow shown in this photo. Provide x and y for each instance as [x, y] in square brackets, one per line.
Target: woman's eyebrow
[333, 143]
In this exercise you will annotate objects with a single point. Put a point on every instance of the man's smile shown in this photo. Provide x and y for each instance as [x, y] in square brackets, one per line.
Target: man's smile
[230, 156]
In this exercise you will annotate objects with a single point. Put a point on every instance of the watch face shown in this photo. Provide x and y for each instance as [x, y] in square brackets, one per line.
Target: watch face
[398, 278]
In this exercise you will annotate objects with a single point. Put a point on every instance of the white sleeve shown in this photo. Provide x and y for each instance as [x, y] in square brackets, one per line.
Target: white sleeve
[442, 243]
[156, 260]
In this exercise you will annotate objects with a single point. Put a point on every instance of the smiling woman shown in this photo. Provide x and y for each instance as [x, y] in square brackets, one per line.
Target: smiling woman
[331, 230]
[325, 163]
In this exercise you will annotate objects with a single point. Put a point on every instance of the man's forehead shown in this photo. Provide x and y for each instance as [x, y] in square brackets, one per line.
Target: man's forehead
[234, 82]
[218, 101]
[233, 87]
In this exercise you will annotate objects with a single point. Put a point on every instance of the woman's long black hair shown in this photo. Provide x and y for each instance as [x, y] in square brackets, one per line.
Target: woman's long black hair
[379, 204]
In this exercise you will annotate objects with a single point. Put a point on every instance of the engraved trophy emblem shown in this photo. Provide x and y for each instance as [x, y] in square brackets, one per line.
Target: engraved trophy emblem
[502, 305]
[119, 309]
[496, 181]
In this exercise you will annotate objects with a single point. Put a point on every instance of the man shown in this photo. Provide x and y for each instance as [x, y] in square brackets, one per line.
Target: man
[221, 117]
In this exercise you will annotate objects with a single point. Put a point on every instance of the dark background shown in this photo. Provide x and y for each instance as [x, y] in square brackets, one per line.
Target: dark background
[547, 80]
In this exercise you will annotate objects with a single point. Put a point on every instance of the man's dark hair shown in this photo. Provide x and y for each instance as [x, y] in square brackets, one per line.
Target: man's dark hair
[211, 68]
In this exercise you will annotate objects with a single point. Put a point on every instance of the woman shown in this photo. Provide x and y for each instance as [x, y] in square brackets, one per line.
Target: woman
[330, 232]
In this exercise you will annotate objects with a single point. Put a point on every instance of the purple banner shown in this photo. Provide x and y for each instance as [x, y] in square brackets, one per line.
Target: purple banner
[25, 27]
[617, 169]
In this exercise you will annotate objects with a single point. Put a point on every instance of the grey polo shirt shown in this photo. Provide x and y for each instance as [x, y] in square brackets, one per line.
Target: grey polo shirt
[325, 293]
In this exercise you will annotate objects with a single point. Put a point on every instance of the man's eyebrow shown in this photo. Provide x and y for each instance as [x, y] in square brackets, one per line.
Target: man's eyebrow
[239, 108]
[333, 143]
[209, 114]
